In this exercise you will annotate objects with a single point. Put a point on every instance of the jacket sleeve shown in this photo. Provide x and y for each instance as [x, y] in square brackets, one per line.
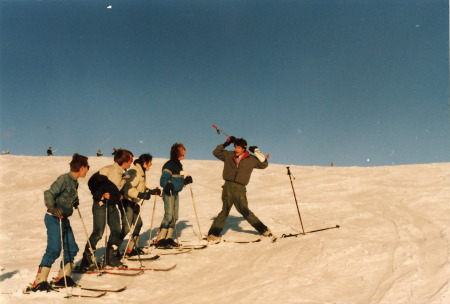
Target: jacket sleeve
[219, 152]
[261, 165]
[51, 194]
[99, 189]
[133, 183]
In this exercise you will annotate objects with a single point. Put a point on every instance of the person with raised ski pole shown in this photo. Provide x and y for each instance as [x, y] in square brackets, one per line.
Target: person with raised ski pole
[105, 186]
[238, 167]
[60, 200]
[135, 190]
[172, 180]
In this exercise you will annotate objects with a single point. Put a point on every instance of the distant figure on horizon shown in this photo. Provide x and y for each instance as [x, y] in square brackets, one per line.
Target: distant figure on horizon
[238, 167]
[5, 152]
[60, 200]
[172, 180]
[49, 151]
[99, 153]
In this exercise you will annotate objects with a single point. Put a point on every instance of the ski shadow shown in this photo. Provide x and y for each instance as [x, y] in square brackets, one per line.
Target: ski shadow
[8, 275]
[233, 223]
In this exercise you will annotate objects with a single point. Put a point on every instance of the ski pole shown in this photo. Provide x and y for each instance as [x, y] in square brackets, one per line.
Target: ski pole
[295, 197]
[88, 240]
[196, 215]
[125, 215]
[62, 257]
[261, 156]
[151, 222]
[106, 234]
[133, 226]
[220, 131]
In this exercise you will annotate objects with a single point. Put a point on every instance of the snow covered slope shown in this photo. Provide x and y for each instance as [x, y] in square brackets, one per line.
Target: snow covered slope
[392, 247]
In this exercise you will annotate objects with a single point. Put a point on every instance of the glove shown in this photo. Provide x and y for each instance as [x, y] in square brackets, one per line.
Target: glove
[144, 195]
[55, 211]
[252, 149]
[156, 191]
[76, 203]
[168, 188]
[136, 208]
[229, 141]
[188, 180]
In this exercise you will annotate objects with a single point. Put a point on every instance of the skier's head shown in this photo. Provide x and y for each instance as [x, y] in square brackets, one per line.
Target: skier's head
[241, 143]
[77, 162]
[123, 158]
[240, 146]
[79, 165]
[145, 160]
[177, 151]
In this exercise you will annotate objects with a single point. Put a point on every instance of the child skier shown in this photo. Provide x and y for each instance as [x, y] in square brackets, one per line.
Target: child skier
[60, 200]
[172, 180]
[134, 191]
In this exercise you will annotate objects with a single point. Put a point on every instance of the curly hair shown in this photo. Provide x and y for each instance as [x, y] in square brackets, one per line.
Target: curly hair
[175, 150]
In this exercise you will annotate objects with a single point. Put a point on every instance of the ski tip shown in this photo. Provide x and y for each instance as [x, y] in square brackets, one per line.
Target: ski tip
[214, 126]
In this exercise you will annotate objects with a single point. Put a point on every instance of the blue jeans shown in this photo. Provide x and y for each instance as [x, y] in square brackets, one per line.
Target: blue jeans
[99, 225]
[170, 210]
[129, 218]
[53, 250]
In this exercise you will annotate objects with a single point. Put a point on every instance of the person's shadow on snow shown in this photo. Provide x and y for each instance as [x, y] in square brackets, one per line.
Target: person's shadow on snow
[233, 223]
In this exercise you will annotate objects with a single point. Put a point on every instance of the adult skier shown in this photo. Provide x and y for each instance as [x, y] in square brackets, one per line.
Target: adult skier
[105, 186]
[238, 167]
[172, 180]
[135, 190]
[60, 200]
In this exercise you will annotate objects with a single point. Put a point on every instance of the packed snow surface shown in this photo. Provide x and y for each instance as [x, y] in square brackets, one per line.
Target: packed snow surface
[392, 245]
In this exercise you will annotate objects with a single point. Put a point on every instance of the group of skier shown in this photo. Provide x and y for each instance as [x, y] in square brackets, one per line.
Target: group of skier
[118, 191]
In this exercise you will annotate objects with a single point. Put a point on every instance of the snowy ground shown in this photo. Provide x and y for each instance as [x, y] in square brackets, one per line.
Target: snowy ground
[392, 247]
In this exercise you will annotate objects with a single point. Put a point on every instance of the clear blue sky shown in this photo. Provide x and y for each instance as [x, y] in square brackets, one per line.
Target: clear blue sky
[357, 83]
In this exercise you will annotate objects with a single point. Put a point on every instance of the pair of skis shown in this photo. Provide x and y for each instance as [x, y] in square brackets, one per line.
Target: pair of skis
[87, 292]
[261, 156]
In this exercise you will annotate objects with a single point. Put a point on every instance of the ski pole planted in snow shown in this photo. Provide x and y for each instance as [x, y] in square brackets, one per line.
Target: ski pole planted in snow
[106, 234]
[89, 242]
[151, 223]
[135, 246]
[295, 197]
[196, 215]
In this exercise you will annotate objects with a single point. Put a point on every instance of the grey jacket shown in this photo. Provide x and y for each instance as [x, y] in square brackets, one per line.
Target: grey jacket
[62, 193]
[238, 173]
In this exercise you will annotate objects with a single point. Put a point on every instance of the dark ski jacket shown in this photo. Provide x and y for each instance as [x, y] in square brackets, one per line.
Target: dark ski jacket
[100, 184]
[62, 193]
[173, 171]
[238, 173]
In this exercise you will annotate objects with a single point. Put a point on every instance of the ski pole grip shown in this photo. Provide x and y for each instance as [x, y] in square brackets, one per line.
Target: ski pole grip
[289, 171]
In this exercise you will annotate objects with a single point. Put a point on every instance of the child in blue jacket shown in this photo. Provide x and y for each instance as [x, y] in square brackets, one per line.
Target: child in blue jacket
[172, 180]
